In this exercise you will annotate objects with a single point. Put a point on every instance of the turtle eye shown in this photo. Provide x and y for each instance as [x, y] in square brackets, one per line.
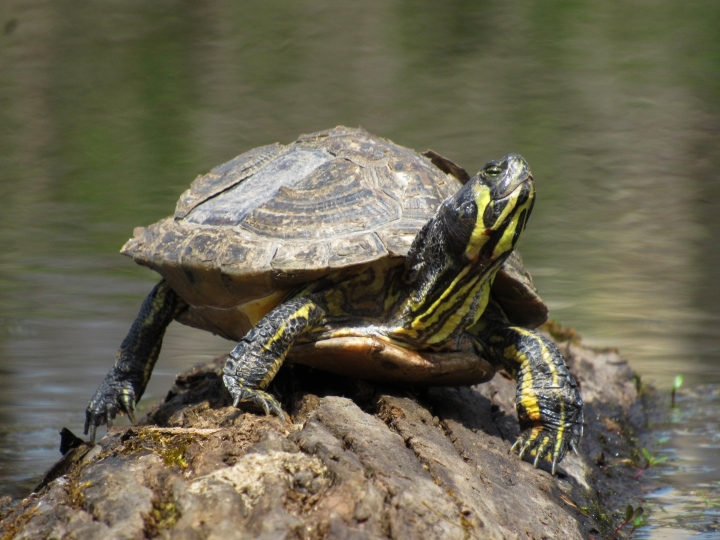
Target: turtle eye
[494, 170]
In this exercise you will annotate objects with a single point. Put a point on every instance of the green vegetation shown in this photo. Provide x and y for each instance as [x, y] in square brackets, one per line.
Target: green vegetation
[650, 461]
[170, 447]
[634, 517]
[677, 383]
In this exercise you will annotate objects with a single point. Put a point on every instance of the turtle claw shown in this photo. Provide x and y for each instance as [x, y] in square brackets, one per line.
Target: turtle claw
[573, 447]
[542, 443]
[114, 395]
[554, 465]
[128, 406]
[519, 447]
[90, 431]
[243, 394]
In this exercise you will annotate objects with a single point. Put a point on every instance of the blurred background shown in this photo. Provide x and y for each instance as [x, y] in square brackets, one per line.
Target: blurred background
[109, 110]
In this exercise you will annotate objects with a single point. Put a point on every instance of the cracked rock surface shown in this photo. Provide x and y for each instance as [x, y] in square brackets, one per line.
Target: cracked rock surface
[358, 461]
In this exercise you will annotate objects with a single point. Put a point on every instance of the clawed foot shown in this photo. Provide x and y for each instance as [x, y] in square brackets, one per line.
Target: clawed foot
[548, 443]
[114, 396]
[243, 394]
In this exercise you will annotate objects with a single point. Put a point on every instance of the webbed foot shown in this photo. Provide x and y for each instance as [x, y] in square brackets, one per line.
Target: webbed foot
[548, 401]
[243, 394]
[544, 442]
[253, 363]
[115, 395]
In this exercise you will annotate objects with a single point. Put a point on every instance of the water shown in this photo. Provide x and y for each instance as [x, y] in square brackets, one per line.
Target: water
[684, 492]
[109, 111]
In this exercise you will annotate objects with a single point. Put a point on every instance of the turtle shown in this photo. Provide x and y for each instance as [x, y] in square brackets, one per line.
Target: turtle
[350, 253]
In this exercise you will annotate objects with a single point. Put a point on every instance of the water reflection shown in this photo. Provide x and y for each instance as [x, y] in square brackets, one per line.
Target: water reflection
[108, 112]
[54, 358]
[690, 438]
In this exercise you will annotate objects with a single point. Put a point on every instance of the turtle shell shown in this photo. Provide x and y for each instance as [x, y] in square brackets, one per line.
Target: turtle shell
[252, 230]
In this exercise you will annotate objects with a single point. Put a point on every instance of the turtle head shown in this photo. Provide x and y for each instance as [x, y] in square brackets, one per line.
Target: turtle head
[455, 256]
[482, 222]
[500, 198]
[476, 227]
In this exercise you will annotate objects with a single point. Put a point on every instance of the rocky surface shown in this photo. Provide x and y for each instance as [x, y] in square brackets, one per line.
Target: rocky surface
[359, 461]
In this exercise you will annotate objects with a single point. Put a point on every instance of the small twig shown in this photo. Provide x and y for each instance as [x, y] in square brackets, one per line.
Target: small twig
[178, 430]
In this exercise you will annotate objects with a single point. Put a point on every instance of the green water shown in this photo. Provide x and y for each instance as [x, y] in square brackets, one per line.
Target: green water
[108, 111]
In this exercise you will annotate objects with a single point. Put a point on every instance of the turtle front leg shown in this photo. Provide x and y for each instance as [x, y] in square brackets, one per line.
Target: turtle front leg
[548, 400]
[256, 359]
[125, 383]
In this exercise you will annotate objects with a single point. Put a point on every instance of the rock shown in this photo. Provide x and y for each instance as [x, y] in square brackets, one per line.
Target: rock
[360, 461]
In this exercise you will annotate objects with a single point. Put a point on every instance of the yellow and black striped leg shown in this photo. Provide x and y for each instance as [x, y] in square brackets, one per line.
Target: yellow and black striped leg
[259, 355]
[125, 383]
[548, 400]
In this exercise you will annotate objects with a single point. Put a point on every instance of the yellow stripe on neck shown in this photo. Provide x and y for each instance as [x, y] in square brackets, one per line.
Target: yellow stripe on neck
[481, 194]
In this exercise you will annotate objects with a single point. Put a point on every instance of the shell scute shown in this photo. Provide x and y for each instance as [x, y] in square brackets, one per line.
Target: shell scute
[359, 248]
[334, 200]
[294, 258]
[225, 176]
[243, 194]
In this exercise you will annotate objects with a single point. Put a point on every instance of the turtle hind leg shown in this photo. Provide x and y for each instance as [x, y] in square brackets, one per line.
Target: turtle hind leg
[548, 399]
[125, 383]
[256, 359]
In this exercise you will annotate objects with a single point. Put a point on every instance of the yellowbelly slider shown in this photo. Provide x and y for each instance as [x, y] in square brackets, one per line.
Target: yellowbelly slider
[347, 252]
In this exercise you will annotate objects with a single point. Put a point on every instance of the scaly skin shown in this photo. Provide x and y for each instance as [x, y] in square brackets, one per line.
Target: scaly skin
[254, 362]
[548, 399]
[125, 383]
